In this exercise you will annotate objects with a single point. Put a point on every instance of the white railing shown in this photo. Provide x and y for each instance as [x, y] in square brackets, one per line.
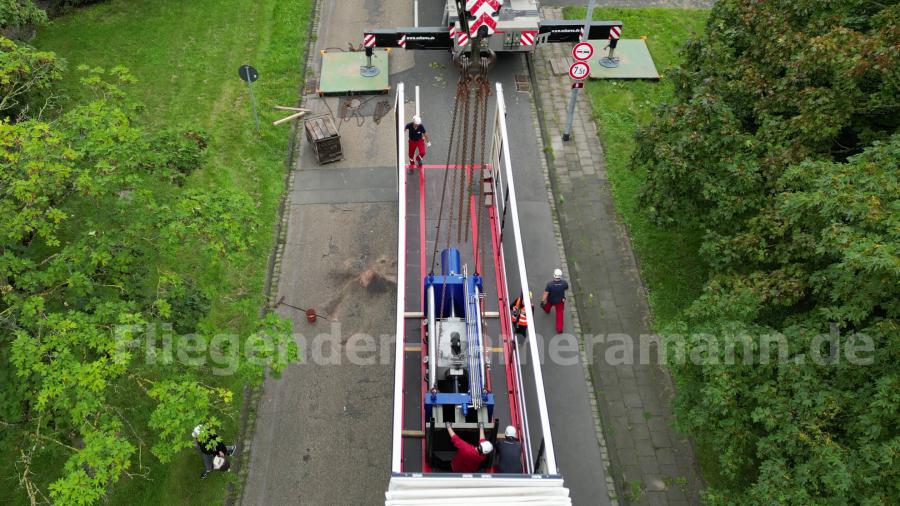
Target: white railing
[523, 280]
[397, 437]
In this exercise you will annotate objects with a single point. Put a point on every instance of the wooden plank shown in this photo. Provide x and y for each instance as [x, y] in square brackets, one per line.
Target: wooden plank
[317, 129]
[288, 118]
[329, 124]
[560, 65]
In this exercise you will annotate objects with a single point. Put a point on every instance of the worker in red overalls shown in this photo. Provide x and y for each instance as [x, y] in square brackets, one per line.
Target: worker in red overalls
[418, 140]
[469, 458]
[555, 297]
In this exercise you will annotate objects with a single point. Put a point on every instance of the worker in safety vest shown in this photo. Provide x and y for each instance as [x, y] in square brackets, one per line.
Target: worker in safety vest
[519, 316]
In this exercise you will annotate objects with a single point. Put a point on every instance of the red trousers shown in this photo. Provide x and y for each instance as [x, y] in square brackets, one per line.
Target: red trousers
[560, 313]
[413, 147]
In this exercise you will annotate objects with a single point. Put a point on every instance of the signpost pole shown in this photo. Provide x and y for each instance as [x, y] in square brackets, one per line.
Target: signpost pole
[248, 74]
[253, 105]
[571, 109]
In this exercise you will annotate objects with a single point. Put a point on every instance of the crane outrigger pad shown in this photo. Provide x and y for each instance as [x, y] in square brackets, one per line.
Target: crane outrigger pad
[634, 58]
[340, 73]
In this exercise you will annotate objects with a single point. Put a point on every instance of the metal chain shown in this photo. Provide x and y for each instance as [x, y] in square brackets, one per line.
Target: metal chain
[459, 87]
[484, 92]
[470, 170]
[462, 161]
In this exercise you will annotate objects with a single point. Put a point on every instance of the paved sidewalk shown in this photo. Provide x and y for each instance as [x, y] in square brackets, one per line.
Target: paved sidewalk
[652, 463]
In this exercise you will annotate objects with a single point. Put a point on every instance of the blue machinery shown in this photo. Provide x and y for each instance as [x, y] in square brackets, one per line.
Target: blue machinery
[457, 367]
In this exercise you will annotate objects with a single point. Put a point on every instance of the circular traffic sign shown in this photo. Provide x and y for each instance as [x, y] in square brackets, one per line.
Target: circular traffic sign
[248, 73]
[582, 51]
[579, 70]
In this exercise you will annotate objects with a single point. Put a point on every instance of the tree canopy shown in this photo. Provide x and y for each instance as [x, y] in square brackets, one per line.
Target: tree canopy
[783, 146]
[94, 220]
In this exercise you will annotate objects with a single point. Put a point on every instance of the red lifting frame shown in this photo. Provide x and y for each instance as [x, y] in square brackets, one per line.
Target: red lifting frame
[506, 330]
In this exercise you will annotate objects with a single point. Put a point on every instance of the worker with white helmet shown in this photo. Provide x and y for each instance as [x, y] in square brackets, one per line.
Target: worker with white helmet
[418, 140]
[555, 297]
[519, 315]
[213, 450]
[509, 452]
[469, 458]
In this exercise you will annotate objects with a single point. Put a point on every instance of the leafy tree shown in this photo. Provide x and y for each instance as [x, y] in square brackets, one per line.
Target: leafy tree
[771, 84]
[26, 75]
[16, 13]
[783, 145]
[89, 211]
[21, 13]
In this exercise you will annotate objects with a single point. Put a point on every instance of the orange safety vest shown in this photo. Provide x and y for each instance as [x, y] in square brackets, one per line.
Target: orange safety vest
[519, 316]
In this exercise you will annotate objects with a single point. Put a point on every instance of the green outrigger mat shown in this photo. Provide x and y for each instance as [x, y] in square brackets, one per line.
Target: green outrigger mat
[635, 61]
[340, 73]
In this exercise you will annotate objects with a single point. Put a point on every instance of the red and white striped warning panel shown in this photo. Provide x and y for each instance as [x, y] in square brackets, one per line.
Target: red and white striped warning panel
[369, 40]
[462, 39]
[402, 41]
[475, 5]
[615, 32]
[484, 20]
[527, 37]
[453, 31]
[483, 12]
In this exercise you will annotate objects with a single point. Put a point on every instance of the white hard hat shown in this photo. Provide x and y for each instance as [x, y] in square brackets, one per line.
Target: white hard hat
[511, 431]
[196, 432]
[417, 120]
[557, 273]
[486, 447]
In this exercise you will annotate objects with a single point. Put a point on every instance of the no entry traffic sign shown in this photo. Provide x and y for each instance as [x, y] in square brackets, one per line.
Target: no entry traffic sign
[248, 73]
[582, 51]
[579, 70]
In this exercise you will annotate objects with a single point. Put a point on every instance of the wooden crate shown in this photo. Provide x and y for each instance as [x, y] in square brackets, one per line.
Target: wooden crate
[324, 138]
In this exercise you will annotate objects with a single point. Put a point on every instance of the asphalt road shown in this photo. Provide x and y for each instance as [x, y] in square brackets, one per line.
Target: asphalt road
[322, 435]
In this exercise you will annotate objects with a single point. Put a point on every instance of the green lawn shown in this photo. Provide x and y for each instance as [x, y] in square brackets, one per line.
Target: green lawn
[186, 55]
[669, 263]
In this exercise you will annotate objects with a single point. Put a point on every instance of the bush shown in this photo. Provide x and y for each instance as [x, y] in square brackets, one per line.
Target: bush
[27, 77]
[19, 13]
[175, 154]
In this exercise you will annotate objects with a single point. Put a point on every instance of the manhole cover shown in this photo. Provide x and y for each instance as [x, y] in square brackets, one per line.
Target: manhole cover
[522, 83]
[312, 86]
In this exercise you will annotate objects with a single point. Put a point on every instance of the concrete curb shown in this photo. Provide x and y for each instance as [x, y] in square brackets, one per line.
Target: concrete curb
[252, 393]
